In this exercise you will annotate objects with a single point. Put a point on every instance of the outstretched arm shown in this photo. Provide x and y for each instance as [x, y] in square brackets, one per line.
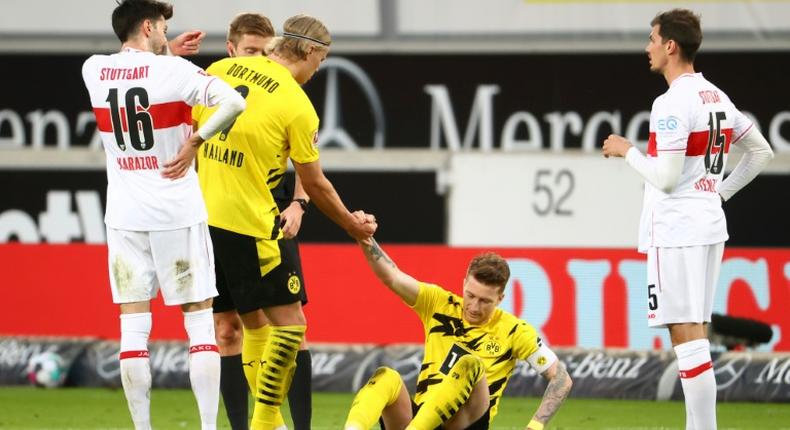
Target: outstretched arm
[388, 273]
[324, 196]
[556, 392]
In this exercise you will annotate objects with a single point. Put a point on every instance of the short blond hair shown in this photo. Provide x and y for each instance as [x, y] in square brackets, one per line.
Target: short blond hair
[300, 33]
[490, 269]
[249, 23]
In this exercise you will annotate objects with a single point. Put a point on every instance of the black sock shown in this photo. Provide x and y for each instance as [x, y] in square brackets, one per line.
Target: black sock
[300, 394]
[234, 389]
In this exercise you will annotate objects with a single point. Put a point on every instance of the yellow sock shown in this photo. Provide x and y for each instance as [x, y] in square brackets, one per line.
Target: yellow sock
[274, 376]
[251, 352]
[381, 391]
[449, 395]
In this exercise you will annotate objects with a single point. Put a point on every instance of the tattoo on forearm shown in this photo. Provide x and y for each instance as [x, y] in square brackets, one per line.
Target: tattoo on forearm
[375, 253]
[555, 394]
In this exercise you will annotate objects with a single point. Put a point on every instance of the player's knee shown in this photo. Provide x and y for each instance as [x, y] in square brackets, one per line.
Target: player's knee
[228, 331]
[384, 374]
[469, 364]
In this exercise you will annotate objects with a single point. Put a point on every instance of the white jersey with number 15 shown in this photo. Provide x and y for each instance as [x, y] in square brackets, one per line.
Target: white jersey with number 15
[698, 119]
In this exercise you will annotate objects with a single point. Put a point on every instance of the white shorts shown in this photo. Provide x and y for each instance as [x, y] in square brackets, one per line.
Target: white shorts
[681, 283]
[180, 262]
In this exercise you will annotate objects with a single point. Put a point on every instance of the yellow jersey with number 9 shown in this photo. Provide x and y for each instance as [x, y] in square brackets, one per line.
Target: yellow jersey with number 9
[241, 165]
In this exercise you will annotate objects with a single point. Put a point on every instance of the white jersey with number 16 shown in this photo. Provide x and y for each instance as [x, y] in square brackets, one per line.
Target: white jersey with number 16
[143, 105]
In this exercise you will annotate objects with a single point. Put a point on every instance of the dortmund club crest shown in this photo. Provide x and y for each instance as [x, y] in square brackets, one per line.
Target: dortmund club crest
[294, 284]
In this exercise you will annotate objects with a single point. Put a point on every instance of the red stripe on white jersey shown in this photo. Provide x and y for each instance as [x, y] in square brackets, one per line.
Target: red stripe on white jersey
[133, 354]
[692, 373]
[203, 348]
[697, 143]
[164, 115]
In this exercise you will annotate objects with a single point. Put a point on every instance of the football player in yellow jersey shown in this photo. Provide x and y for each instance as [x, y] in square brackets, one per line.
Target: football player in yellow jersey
[248, 35]
[471, 348]
[239, 171]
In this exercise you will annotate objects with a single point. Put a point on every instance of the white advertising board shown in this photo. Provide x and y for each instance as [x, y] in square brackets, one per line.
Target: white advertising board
[542, 200]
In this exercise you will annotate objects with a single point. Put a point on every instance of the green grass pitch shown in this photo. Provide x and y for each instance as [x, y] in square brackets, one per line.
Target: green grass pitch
[90, 408]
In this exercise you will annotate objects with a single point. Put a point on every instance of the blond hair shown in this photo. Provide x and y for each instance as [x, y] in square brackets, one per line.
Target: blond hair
[490, 269]
[249, 23]
[300, 33]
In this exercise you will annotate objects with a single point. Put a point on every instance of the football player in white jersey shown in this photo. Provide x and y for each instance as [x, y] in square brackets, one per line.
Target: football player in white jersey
[157, 235]
[682, 228]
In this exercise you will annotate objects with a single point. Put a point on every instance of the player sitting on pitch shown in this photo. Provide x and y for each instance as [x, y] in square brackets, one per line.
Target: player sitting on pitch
[471, 348]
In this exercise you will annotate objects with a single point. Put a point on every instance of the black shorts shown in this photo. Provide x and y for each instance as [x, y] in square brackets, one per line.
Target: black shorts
[480, 424]
[239, 282]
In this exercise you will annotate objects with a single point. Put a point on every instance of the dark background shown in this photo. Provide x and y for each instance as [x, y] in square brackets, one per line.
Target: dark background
[535, 83]
[406, 204]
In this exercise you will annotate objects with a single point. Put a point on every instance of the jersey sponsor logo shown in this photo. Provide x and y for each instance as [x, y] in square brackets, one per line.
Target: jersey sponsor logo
[668, 124]
[294, 284]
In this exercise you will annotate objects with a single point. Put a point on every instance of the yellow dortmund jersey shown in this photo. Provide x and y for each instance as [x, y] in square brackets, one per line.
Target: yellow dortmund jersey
[241, 165]
[499, 343]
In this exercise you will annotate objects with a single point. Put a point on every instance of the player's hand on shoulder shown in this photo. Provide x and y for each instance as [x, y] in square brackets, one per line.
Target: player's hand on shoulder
[616, 146]
[187, 43]
[363, 226]
[180, 165]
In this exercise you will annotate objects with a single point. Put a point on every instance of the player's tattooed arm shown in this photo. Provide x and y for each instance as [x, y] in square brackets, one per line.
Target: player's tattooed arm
[374, 251]
[388, 273]
[556, 392]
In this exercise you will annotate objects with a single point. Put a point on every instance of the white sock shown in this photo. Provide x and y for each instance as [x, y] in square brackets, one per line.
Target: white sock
[699, 384]
[204, 365]
[135, 367]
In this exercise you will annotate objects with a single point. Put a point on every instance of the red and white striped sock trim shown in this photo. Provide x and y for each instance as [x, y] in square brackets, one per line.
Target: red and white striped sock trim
[133, 354]
[203, 348]
[692, 373]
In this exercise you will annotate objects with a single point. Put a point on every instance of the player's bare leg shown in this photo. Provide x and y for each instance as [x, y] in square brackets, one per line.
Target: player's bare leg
[696, 374]
[232, 383]
[135, 365]
[204, 361]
